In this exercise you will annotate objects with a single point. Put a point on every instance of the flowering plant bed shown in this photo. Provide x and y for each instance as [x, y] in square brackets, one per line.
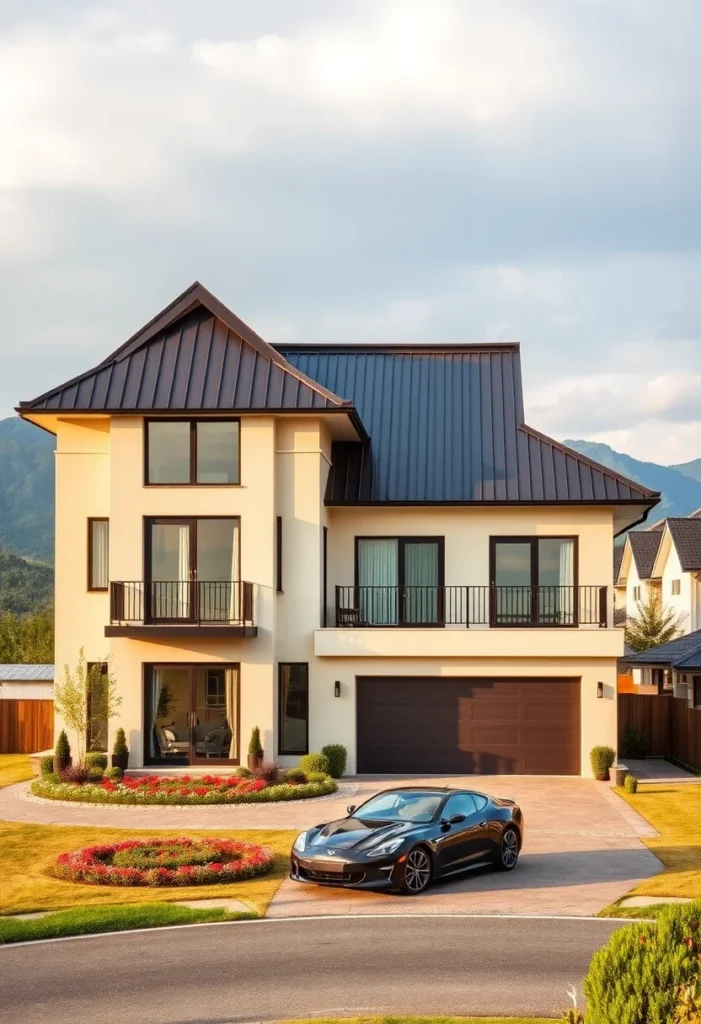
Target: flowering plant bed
[187, 789]
[159, 862]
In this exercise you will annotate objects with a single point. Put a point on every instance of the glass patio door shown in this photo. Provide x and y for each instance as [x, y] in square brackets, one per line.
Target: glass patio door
[399, 580]
[191, 714]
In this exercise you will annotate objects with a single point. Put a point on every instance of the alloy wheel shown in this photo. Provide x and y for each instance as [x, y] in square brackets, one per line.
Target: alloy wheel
[509, 849]
[417, 874]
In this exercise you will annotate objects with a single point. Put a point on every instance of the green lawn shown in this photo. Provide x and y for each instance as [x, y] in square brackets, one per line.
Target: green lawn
[28, 852]
[14, 768]
[422, 1020]
[89, 920]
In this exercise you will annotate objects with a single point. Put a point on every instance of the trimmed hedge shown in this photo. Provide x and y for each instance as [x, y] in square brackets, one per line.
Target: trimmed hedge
[314, 763]
[119, 794]
[46, 765]
[337, 756]
[602, 759]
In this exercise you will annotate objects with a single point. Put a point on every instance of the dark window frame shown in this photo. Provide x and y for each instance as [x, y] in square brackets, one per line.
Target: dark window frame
[402, 541]
[278, 555]
[696, 689]
[533, 540]
[280, 748]
[193, 421]
[676, 588]
[324, 573]
[92, 589]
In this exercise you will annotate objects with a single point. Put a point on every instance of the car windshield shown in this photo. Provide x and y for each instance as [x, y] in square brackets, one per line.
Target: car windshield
[401, 805]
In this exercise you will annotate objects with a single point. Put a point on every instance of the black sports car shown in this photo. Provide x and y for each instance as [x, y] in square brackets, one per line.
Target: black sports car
[403, 838]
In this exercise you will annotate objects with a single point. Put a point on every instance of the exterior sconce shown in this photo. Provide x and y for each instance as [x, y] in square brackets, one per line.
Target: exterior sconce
[599, 689]
[337, 688]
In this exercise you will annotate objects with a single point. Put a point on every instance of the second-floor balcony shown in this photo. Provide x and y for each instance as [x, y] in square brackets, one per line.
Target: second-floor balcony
[491, 606]
[141, 608]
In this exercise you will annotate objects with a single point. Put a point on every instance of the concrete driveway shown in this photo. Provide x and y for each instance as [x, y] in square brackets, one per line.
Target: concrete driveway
[582, 851]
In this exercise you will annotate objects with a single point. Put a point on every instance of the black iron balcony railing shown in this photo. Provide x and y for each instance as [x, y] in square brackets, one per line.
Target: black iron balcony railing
[471, 606]
[180, 602]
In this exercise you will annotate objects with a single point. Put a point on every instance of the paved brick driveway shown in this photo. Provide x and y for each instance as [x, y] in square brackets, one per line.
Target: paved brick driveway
[581, 852]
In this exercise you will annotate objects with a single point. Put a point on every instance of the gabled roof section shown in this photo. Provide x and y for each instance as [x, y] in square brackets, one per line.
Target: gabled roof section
[196, 355]
[686, 534]
[644, 546]
[447, 426]
[680, 654]
[617, 561]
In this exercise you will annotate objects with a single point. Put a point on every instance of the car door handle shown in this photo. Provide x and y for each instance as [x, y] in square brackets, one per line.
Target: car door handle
[483, 824]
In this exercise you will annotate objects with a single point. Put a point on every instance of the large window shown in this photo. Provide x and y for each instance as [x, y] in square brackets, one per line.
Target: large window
[96, 739]
[98, 554]
[534, 581]
[399, 580]
[192, 452]
[293, 683]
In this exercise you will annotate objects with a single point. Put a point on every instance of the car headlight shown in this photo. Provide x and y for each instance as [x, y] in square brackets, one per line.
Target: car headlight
[300, 843]
[385, 849]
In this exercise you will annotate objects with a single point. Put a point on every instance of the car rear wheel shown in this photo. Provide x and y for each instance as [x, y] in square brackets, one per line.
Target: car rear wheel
[417, 871]
[509, 849]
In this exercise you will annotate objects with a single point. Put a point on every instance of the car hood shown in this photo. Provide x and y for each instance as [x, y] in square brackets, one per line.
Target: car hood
[354, 833]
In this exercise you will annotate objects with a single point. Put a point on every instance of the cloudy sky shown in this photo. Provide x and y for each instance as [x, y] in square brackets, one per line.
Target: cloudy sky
[386, 170]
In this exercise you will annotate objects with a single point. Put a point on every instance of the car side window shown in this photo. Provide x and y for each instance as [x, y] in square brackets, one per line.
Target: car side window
[480, 801]
[461, 803]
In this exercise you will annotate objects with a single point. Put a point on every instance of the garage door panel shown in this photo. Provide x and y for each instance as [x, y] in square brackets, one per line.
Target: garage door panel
[461, 726]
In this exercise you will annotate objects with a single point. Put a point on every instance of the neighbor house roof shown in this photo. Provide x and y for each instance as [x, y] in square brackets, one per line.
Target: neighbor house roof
[29, 673]
[686, 534]
[680, 654]
[644, 545]
[446, 424]
[195, 355]
[617, 559]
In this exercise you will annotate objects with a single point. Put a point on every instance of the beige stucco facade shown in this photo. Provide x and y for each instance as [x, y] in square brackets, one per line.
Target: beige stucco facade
[284, 467]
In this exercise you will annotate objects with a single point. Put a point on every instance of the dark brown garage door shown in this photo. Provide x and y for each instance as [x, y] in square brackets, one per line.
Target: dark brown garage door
[468, 726]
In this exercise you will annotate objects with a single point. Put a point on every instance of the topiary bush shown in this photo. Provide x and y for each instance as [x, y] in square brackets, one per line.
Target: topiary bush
[295, 775]
[636, 977]
[337, 755]
[255, 747]
[631, 784]
[634, 743]
[46, 765]
[120, 747]
[114, 774]
[601, 760]
[63, 747]
[316, 777]
[95, 760]
[314, 763]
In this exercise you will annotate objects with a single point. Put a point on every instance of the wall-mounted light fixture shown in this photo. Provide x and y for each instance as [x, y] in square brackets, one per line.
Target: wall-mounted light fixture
[337, 688]
[599, 689]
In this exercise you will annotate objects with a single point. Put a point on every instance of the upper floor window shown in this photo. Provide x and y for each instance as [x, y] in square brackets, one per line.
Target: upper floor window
[98, 554]
[676, 587]
[192, 452]
[636, 593]
[534, 580]
[398, 580]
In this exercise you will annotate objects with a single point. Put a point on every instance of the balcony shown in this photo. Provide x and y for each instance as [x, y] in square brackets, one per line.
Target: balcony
[434, 606]
[142, 608]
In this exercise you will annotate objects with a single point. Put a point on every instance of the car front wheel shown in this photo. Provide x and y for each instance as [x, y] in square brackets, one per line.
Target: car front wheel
[417, 871]
[509, 850]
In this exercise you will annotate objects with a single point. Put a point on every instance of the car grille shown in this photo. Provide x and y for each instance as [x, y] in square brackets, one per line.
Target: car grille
[338, 877]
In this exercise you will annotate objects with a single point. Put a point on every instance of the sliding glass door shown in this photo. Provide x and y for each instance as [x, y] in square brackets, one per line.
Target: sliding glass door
[191, 714]
[399, 580]
[533, 581]
[192, 570]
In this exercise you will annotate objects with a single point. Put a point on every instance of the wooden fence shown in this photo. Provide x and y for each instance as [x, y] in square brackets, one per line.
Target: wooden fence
[26, 726]
[673, 728]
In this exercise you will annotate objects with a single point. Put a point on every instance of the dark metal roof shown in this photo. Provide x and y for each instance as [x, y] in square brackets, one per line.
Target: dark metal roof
[195, 355]
[446, 425]
[27, 673]
[682, 653]
[686, 534]
[644, 545]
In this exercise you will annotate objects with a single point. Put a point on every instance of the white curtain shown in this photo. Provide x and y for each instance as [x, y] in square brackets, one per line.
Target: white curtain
[100, 554]
[378, 580]
[156, 687]
[231, 682]
[183, 609]
[421, 579]
[235, 610]
[566, 581]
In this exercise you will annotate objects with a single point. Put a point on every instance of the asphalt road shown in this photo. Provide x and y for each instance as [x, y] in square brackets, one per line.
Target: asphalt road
[282, 969]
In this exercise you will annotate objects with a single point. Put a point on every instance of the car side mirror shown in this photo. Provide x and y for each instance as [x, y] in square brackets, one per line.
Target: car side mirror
[456, 819]
[350, 808]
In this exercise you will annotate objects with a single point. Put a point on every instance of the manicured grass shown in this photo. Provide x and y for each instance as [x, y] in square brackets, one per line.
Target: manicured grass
[675, 811]
[89, 920]
[28, 852]
[650, 913]
[422, 1020]
[14, 768]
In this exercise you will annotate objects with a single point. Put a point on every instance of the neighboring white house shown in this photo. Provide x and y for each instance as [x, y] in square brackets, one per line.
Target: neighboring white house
[26, 682]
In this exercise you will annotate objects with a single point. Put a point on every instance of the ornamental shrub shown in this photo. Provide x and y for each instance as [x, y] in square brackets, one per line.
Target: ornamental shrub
[120, 743]
[268, 771]
[254, 746]
[78, 774]
[634, 743]
[636, 977]
[631, 784]
[601, 760]
[314, 763]
[337, 755]
[316, 777]
[63, 747]
[295, 775]
[96, 761]
[244, 773]
[46, 765]
[114, 774]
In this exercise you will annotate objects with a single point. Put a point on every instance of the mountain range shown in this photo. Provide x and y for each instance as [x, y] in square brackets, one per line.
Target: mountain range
[27, 503]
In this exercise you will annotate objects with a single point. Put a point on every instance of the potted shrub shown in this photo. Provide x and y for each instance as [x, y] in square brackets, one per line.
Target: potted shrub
[602, 759]
[62, 753]
[120, 751]
[255, 750]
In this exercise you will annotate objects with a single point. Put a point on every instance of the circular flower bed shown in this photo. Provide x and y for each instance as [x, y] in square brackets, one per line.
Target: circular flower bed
[185, 789]
[159, 862]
